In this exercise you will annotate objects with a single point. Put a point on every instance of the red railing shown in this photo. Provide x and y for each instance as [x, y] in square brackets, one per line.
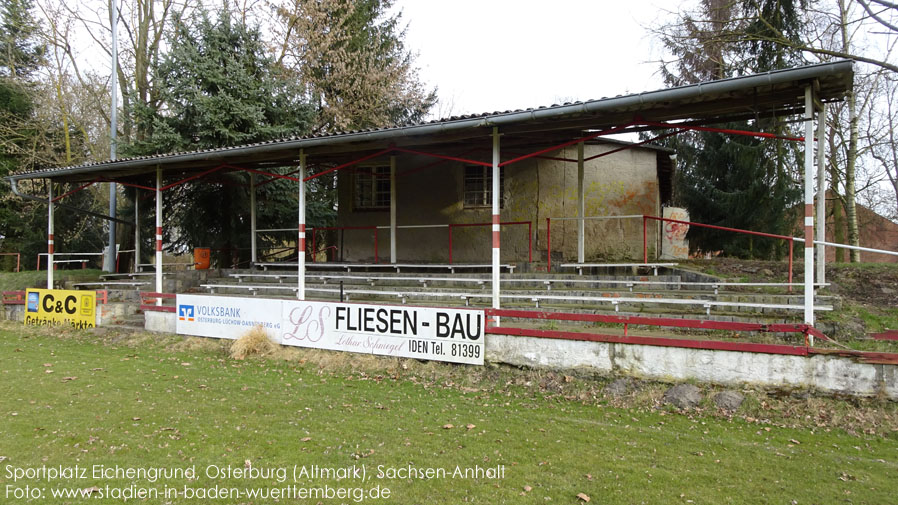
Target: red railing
[802, 329]
[313, 230]
[18, 297]
[645, 250]
[529, 234]
[146, 297]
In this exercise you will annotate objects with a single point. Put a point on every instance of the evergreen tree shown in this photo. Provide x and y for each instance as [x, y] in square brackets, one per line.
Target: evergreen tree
[20, 51]
[351, 57]
[218, 88]
[738, 182]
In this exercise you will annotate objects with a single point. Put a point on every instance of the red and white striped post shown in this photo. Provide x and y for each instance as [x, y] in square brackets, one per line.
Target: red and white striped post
[809, 207]
[158, 233]
[301, 250]
[49, 238]
[496, 221]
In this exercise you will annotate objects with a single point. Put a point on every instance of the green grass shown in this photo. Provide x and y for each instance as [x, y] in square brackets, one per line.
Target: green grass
[68, 399]
[879, 319]
[17, 281]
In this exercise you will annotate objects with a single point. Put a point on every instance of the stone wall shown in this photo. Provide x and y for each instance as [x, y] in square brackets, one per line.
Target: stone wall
[619, 184]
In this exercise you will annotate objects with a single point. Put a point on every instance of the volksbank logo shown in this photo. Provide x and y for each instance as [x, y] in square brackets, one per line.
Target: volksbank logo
[191, 312]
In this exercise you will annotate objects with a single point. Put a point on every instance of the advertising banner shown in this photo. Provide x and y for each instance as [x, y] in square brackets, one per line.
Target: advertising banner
[54, 307]
[454, 335]
[226, 317]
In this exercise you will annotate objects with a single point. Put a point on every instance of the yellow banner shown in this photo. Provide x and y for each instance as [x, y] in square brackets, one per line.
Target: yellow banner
[53, 307]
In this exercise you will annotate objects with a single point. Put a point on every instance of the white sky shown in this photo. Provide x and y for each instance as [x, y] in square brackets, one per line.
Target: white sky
[488, 55]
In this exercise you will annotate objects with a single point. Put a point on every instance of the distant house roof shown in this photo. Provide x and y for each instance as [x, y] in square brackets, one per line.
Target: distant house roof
[770, 94]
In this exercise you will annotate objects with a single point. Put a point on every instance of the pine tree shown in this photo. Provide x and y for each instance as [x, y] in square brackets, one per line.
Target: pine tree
[738, 182]
[351, 57]
[218, 88]
[20, 51]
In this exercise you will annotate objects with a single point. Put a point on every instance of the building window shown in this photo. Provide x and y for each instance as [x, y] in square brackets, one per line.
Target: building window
[372, 188]
[479, 186]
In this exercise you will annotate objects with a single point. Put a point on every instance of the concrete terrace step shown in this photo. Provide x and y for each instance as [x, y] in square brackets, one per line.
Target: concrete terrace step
[474, 286]
[537, 298]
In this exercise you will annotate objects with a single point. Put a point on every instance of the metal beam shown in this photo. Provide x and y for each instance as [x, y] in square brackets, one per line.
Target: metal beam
[301, 249]
[14, 185]
[137, 230]
[50, 240]
[158, 233]
[821, 194]
[581, 207]
[809, 207]
[392, 209]
[496, 221]
[252, 218]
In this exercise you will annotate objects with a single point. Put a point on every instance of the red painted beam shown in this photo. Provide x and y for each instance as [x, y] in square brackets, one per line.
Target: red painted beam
[712, 345]
[886, 335]
[655, 321]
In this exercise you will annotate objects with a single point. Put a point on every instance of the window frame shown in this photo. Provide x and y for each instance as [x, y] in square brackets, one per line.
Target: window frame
[365, 180]
[484, 191]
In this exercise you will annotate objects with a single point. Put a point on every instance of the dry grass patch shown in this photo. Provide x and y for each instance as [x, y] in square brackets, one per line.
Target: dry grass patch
[253, 342]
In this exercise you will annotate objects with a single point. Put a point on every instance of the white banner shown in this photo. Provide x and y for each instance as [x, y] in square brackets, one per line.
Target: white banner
[453, 335]
[226, 317]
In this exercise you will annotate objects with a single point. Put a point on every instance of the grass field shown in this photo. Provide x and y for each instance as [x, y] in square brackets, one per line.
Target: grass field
[71, 399]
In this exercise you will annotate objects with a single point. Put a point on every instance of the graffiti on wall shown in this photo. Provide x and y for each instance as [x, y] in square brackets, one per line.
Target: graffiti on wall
[673, 238]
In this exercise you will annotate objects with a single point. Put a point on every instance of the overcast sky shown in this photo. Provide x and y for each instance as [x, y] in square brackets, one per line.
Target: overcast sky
[487, 55]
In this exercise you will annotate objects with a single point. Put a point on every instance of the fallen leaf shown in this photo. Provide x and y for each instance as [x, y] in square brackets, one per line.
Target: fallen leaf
[796, 442]
[48, 371]
[48, 364]
[90, 490]
[448, 426]
[583, 496]
[305, 439]
[527, 489]
[135, 419]
[470, 426]
[247, 463]
[66, 379]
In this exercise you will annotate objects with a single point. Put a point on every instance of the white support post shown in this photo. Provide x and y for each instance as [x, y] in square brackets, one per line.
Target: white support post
[809, 207]
[581, 207]
[496, 221]
[252, 219]
[821, 195]
[392, 209]
[50, 242]
[301, 250]
[158, 233]
[136, 230]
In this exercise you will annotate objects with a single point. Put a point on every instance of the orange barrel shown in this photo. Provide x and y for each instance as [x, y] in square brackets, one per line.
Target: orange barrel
[202, 258]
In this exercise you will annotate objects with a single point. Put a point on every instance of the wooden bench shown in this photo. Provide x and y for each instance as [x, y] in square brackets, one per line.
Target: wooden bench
[466, 297]
[13, 298]
[452, 267]
[112, 284]
[581, 266]
[370, 279]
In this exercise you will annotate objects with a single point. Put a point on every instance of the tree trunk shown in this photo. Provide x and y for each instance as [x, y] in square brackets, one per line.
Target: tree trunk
[850, 193]
[838, 226]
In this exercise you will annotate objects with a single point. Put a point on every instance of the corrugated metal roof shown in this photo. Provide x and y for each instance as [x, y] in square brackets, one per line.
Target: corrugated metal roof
[773, 93]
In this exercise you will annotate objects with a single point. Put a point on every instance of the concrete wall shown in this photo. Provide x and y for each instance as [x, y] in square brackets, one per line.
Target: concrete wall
[826, 373]
[622, 183]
